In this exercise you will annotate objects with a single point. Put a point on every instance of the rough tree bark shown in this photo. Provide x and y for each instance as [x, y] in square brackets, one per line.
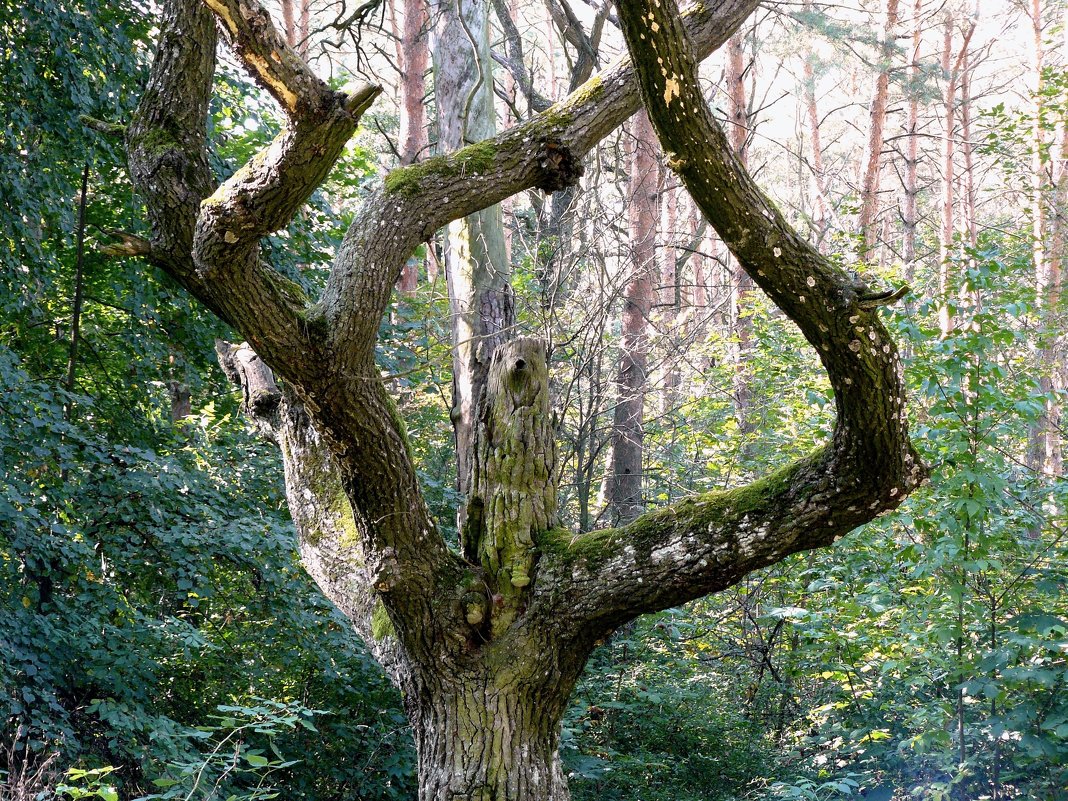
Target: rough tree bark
[488, 649]
[476, 259]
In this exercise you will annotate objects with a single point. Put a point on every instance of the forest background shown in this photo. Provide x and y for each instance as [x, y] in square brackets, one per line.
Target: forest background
[159, 637]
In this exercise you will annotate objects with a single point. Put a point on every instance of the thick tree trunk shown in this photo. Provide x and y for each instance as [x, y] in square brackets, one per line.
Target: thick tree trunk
[487, 644]
[479, 738]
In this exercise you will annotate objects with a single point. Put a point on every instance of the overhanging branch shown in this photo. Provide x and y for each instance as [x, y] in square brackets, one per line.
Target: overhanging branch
[709, 542]
[545, 151]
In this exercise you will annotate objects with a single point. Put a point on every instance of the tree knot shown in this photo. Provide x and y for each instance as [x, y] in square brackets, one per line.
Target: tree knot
[560, 167]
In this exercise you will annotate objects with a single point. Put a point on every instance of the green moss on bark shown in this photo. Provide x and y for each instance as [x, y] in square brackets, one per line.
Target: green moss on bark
[381, 625]
[703, 515]
[474, 159]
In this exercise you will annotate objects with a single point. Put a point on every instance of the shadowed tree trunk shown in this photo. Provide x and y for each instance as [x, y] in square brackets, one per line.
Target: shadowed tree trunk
[487, 644]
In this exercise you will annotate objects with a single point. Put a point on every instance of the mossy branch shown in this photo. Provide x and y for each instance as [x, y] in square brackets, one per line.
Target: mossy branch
[710, 542]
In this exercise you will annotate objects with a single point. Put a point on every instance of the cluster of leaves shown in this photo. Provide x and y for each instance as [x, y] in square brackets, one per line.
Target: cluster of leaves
[159, 637]
[922, 658]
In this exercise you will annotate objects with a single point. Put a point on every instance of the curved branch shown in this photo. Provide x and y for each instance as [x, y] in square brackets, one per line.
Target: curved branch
[544, 152]
[708, 543]
[212, 246]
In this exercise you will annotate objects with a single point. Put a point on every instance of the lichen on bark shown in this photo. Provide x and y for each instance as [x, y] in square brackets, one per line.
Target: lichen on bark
[513, 496]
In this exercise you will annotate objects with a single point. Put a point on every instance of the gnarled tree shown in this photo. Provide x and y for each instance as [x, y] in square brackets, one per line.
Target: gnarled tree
[488, 642]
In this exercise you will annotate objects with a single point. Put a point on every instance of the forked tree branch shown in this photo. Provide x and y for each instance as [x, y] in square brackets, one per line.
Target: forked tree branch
[544, 152]
[325, 351]
[264, 195]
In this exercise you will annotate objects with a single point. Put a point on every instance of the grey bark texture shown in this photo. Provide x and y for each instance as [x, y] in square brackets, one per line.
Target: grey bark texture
[487, 662]
[476, 258]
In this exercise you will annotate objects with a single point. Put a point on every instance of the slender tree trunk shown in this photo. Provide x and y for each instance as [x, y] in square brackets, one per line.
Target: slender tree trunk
[303, 28]
[670, 295]
[623, 489]
[476, 263]
[968, 199]
[296, 21]
[910, 209]
[289, 22]
[700, 261]
[1045, 453]
[869, 191]
[822, 217]
[413, 56]
[741, 282]
[945, 243]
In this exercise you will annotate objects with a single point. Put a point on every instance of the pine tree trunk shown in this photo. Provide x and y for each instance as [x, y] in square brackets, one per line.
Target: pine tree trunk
[670, 292]
[821, 222]
[623, 490]
[741, 281]
[910, 209]
[413, 56]
[869, 192]
[945, 243]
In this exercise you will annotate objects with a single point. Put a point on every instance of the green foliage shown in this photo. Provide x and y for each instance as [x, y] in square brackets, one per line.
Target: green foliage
[653, 719]
[148, 574]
